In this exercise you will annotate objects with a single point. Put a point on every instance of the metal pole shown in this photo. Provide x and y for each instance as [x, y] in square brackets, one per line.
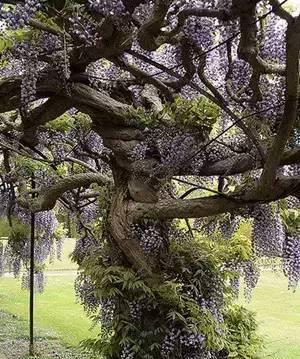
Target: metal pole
[31, 283]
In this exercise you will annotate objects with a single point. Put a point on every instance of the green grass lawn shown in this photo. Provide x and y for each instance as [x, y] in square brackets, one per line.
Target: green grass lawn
[55, 309]
[278, 312]
[65, 263]
[14, 342]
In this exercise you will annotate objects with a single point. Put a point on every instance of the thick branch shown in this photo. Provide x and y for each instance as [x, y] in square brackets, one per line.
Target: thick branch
[291, 104]
[46, 27]
[187, 56]
[80, 95]
[146, 78]
[10, 93]
[221, 14]
[151, 98]
[248, 48]
[244, 162]
[49, 195]
[50, 110]
[280, 11]
[183, 15]
[150, 30]
[210, 206]
[110, 110]
[80, 163]
[119, 228]
[119, 133]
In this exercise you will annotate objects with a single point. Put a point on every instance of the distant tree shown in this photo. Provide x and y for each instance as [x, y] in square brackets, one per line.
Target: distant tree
[136, 117]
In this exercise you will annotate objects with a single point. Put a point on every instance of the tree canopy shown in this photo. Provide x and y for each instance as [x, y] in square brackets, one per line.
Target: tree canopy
[137, 116]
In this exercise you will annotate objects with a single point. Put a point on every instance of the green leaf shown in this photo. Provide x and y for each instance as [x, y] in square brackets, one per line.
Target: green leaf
[9, 37]
[233, 355]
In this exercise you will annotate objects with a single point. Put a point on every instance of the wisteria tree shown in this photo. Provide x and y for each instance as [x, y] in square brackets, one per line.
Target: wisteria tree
[167, 129]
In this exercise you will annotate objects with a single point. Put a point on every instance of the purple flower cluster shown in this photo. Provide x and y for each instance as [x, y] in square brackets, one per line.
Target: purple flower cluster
[251, 276]
[268, 231]
[107, 7]
[200, 31]
[187, 341]
[127, 352]
[29, 56]
[108, 307]
[149, 238]
[275, 28]
[84, 246]
[291, 259]
[83, 30]
[85, 292]
[60, 61]
[135, 309]
[39, 281]
[22, 14]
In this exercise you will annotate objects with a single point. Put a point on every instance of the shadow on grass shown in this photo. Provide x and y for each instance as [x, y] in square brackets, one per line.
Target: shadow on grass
[14, 342]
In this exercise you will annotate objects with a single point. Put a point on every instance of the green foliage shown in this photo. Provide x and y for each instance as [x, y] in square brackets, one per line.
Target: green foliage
[60, 231]
[82, 120]
[291, 220]
[18, 235]
[242, 239]
[18, 231]
[62, 170]
[219, 250]
[39, 267]
[197, 264]
[48, 21]
[242, 341]
[104, 198]
[62, 124]
[198, 114]
[64, 5]
[29, 165]
[4, 228]
[9, 37]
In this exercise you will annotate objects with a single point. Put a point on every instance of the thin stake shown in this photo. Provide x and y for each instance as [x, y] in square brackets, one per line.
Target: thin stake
[31, 299]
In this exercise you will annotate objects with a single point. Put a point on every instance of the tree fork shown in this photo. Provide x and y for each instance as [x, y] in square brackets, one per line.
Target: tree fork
[119, 224]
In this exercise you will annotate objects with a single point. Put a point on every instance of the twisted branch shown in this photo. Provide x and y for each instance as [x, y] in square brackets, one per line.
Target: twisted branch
[48, 196]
